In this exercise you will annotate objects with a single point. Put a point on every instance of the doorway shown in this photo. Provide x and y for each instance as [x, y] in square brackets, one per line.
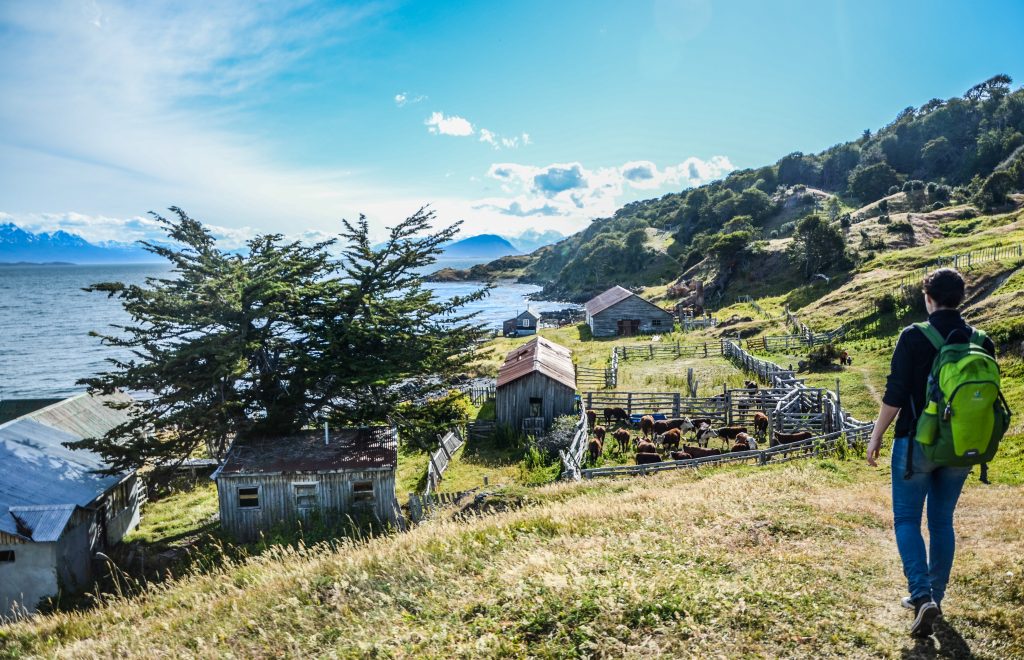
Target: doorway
[628, 327]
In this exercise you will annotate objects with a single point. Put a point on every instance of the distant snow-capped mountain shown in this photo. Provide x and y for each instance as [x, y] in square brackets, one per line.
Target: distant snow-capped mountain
[19, 245]
[531, 239]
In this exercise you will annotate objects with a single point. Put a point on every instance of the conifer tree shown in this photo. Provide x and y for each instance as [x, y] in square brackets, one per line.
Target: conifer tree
[278, 338]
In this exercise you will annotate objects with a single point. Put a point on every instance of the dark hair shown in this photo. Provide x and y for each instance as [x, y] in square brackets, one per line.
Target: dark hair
[946, 287]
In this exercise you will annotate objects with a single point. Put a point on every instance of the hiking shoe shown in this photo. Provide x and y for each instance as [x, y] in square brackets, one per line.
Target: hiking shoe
[926, 611]
[908, 603]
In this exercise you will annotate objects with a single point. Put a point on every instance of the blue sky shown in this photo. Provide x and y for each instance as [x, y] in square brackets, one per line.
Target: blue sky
[288, 116]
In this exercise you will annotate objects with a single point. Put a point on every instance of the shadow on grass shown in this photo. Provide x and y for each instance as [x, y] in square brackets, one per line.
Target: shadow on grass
[951, 644]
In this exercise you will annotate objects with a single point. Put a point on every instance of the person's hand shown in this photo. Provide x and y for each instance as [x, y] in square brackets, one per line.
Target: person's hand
[874, 449]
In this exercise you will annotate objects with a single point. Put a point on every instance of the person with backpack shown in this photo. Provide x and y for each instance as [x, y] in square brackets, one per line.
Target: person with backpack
[943, 392]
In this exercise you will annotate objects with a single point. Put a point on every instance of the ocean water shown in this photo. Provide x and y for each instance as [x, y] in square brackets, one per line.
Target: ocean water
[45, 319]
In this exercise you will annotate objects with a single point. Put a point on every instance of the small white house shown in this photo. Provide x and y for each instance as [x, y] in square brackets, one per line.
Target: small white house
[56, 512]
[525, 323]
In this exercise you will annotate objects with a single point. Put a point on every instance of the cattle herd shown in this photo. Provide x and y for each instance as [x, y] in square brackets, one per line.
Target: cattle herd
[660, 440]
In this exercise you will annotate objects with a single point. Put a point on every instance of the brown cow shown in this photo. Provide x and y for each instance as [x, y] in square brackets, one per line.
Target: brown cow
[760, 425]
[599, 433]
[788, 438]
[680, 456]
[595, 447]
[747, 440]
[730, 432]
[644, 447]
[750, 385]
[660, 426]
[671, 438]
[683, 424]
[701, 452]
[613, 414]
[591, 417]
[647, 425]
[621, 439]
[697, 422]
[643, 458]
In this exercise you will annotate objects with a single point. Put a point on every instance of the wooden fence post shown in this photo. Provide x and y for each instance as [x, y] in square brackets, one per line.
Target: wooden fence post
[675, 405]
[629, 403]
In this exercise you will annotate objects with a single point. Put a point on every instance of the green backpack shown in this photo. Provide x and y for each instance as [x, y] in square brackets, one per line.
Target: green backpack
[965, 414]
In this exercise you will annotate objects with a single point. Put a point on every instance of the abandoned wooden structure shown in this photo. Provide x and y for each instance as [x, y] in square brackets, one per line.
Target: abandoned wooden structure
[56, 510]
[620, 312]
[268, 483]
[536, 383]
[521, 325]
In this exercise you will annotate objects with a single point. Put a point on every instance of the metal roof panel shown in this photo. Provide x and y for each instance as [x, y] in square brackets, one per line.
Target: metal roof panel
[541, 355]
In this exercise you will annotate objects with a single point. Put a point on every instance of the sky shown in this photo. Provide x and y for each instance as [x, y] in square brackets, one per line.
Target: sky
[288, 116]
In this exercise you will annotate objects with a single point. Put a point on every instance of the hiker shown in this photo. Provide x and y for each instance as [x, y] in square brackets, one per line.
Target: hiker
[935, 469]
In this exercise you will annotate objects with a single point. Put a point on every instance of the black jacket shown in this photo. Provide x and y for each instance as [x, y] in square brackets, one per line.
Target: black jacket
[912, 362]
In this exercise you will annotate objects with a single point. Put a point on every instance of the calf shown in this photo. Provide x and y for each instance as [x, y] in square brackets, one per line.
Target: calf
[643, 458]
[697, 422]
[591, 417]
[747, 440]
[750, 385]
[701, 452]
[599, 433]
[621, 439]
[671, 438]
[613, 414]
[704, 435]
[595, 448]
[644, 447]
[788, 438]
[684, 425]
[680, 456]
[647, 425]
[760, 425]
[660, 426]
[730, 432]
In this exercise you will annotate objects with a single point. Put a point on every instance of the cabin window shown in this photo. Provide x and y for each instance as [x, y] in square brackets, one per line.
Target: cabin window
[6, 556]
[307, 496]
[536, 406]
[656, 323]
[524, 322]
[362, 491]
[249, 497]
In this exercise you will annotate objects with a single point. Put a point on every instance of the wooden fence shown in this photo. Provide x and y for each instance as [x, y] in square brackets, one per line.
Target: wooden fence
[420, 505]
[910, 284]
[669, 350]
[480, 430]
[572, 458]
[590, 377]
[690, 323]
[441, 458]
[671, 404]
[478, 394]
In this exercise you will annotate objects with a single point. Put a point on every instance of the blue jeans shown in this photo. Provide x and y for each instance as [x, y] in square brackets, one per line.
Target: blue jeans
[927, 574]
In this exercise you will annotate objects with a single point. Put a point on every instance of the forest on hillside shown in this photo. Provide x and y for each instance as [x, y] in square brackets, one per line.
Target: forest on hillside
[967, 149]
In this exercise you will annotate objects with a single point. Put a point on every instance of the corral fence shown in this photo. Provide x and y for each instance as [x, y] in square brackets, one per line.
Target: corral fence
[572, 458]
[478, 394]
[689, 323]
[441, 458]
[669, 350]
[480, 430]
[757, 308]
[818, 445]
[670, 404]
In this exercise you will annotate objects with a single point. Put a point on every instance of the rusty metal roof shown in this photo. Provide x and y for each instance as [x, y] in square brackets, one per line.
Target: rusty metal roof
[348, 449]
[603, 301]
[541, 355]
[614, 296]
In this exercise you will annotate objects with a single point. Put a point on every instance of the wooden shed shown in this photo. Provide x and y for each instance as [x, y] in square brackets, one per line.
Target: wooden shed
[276, 482]
[522, 324]
[620, 312]
[536, 383]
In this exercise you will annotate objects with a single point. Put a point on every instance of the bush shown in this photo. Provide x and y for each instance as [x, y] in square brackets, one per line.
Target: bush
[912, 185]
[823, 356]
[559, 437]
[773, 233]
[884, 219]
[886, 304]
[786, 228]
[937, 205]
[845, 221]
[883, 206]
[901, 227]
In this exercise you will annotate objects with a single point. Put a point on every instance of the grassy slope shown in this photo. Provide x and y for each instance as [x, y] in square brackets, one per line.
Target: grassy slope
[794, 560]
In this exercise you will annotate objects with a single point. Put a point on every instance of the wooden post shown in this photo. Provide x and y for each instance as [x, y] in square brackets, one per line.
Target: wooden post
[629, 403]
[675, 405]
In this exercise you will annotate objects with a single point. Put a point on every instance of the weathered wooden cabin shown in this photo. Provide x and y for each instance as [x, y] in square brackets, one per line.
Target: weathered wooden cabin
[56, 511]
[276, 482]
[620, 312]
[521, 325]
[536, 383]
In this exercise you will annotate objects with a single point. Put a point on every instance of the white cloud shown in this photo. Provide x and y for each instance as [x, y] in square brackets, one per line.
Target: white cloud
[489, 137]
[404, 98]
[439, 124]
[573, 191]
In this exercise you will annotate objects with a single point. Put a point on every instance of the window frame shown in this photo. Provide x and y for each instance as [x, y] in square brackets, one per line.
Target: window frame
[238, 497]
[364, 491]
[315, 485]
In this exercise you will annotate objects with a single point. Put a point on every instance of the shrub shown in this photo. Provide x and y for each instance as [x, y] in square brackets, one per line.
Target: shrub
[884, 219]
[883, 206]
[901, 227]
[773, 233]
[559, 437]
[893, 190]
[937, 205]
[845, 221]
[823, 356]
[886, 304]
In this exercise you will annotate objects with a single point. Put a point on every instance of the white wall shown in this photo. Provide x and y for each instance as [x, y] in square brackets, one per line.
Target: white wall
[30, 578]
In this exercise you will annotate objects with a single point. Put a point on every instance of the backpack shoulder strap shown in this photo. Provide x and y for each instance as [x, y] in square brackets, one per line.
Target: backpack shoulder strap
[931, 334]
[978, 338]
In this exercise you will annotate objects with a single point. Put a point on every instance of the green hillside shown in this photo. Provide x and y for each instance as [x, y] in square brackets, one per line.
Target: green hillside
[963, 149]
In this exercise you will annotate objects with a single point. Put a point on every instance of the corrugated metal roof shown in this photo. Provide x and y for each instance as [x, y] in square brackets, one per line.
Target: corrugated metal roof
[349, 449]
[36, 469]
[15, 408]
[42, 524]
[539, 354]
[601, 302]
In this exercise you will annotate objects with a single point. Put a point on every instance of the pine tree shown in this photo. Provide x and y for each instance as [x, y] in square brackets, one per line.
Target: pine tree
[279, 338]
